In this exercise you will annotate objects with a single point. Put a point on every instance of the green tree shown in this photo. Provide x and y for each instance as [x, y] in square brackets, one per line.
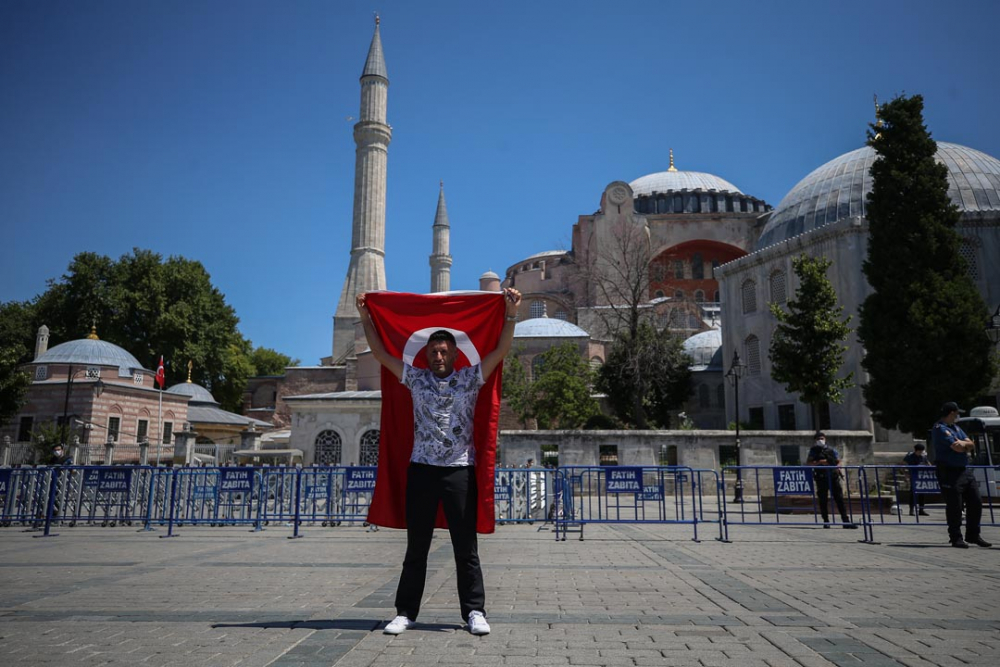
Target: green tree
[807, 350]
[266, 361]
[646, 377]
[150, 307]
[922, 325]
[516, 386]
[13, 382]
[560, 395]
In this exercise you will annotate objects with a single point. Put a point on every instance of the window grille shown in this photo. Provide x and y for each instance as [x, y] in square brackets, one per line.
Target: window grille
[697, 266]
[537, 309]
[678, 270]
[753, 355]
[969, 253]
[778, 291]
[329, 448]
[749, 296]
[369, 448]
[562, 315]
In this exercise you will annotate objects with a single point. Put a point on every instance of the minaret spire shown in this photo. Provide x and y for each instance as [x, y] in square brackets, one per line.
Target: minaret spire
[440, 257]
[672, 167]
[372, 135]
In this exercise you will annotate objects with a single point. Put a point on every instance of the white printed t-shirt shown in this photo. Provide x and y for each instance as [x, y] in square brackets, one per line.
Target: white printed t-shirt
[443, 413]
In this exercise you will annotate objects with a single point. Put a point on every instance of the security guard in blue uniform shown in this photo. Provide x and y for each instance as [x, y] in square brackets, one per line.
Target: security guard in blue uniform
[828, 479]
[958, 485]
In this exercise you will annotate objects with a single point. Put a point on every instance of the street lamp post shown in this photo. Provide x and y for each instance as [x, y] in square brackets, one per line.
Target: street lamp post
[993, 327]
[70, 376]
[736, 370]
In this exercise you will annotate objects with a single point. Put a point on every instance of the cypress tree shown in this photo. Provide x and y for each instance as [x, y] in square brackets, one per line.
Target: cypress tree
[807, 349]
[923, 325]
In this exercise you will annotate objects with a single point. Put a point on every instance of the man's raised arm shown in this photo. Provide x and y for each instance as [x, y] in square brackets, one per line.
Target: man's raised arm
[493, 359]
[394, 365]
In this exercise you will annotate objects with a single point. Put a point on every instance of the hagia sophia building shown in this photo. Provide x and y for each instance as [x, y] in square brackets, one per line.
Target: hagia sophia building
[718, 256]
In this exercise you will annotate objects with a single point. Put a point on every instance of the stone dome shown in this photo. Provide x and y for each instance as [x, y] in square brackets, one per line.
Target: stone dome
[196, 392]
[90, 352]
[838, 190]
[489, 275]
[673, 181]
[545, 327]
[705, 350]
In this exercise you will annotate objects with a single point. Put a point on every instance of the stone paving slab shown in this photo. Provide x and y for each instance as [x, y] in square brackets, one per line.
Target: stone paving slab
[626, 595]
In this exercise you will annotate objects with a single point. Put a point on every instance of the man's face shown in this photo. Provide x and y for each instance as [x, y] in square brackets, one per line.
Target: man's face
[441, 358]
[820, 441]
[951, 417]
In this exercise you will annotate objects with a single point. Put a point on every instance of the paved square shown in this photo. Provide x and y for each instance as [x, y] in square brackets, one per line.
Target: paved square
[627, 595]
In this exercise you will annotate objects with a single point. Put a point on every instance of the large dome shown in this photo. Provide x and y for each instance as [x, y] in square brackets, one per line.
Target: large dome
[674, 181]
[90, 352]
[705, 350]
[839, 189]
[545, 327]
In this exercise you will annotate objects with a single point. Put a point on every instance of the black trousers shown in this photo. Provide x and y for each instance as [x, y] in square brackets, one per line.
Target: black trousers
[826, 481]
[427, 487]
[958, 486]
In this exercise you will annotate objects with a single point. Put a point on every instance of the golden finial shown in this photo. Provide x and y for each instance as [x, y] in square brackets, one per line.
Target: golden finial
[672, 167]
[377, 20]
[190, 366]
[93, 333]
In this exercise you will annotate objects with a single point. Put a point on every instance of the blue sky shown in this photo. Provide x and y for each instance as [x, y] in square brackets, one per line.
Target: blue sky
[222, 130]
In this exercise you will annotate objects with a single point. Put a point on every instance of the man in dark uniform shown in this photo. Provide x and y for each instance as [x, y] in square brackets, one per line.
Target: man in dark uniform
[918, 457]
[958, 485]
[827, 479]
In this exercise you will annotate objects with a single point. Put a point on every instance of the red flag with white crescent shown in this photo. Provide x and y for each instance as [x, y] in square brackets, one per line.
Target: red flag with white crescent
[161, 376]
[404, 322]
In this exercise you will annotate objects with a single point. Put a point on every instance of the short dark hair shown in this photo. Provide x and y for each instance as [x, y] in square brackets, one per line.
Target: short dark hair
[919, 446]
[442, 335]
[819, 434]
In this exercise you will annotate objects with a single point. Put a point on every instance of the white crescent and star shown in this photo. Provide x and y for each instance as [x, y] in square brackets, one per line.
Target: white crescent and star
[418, 339]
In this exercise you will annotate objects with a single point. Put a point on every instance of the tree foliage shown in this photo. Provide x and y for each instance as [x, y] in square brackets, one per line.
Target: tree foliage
[922, 326]
[150, 307]
[266, 361]
[646, 377]
[13, 382]
[515, 386]
[807, 350]
[560, 395]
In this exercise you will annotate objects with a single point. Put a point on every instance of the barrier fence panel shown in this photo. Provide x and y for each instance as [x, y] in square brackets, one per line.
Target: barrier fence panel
[105, 496]
[795, 495]
[636, 494]
[524, 495]
[23, 496]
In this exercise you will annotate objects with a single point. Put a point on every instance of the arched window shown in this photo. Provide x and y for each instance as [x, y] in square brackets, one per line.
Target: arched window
[697, 266]
[596, 363]
[369, 448]
[778, 291]
[537, 309]
[749, 296]
[720, 396]
[717, 296]
[678, 270]
[753, 355]
[679, 294]
[699, 296]
[562, 315]
[537, 366]
[328, 448]
[659, 294]
[703, 396]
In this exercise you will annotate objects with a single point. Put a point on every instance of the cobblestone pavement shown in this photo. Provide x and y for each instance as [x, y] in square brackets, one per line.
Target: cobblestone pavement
[627, 595]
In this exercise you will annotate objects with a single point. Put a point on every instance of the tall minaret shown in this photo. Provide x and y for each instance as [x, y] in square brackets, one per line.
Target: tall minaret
[440, 259]
[371, 135]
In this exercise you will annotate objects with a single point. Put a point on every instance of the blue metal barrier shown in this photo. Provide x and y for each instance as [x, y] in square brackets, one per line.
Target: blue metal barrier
[24, 494]
[524, 495]
[789, 496]
[637, 494]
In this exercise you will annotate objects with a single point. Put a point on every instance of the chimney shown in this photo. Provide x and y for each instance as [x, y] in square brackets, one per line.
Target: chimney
[42, 341]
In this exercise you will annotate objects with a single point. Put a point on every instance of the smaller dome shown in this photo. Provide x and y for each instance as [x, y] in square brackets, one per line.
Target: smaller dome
[545, 327]
[197, 393]
[91, 352]
[705, 350]
[489, 275]
[672, 181]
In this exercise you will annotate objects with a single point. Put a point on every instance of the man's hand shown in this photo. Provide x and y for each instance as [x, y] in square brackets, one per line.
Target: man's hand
[513, 298]
[359, 303]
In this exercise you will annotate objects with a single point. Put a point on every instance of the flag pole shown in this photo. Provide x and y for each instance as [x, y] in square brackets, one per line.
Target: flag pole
[159, 419]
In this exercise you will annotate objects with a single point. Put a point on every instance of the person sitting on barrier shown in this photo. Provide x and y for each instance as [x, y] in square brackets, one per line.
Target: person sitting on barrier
[442, 465]
[958, 485]
[828, 480]
[918, 457]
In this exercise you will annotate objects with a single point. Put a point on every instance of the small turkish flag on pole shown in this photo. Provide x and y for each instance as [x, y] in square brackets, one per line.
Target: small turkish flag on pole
[160, 375]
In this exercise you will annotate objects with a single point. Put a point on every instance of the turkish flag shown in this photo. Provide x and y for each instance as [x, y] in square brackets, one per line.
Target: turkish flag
[404, 322]
[161, 377]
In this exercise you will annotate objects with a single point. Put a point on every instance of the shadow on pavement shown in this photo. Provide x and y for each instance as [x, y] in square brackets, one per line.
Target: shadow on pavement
[365, 624]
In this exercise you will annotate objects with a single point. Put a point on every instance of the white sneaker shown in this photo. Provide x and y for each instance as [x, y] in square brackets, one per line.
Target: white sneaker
[399, 624]
[478, 624]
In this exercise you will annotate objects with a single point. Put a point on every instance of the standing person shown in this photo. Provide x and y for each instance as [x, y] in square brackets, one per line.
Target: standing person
[442, 465]
[828, 479]
[918, 457]
[958, 485]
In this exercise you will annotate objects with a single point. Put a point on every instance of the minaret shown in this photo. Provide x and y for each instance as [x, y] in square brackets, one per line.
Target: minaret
[41, 341]
[440, 259]
[372, 134]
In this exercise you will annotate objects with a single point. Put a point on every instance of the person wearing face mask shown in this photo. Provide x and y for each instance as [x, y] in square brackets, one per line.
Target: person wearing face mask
[958, 485]
[828, 479]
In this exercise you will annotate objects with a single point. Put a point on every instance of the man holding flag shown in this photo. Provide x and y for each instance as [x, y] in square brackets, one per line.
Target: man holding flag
[161, 378]
[449, 447]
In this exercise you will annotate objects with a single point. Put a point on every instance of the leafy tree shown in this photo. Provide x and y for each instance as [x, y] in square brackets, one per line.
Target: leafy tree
[807, 349]
[922, 326]
[13, 383]
[560, 395]
[266, 361]
[646, 377]
[150, 307]
[516, 386]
